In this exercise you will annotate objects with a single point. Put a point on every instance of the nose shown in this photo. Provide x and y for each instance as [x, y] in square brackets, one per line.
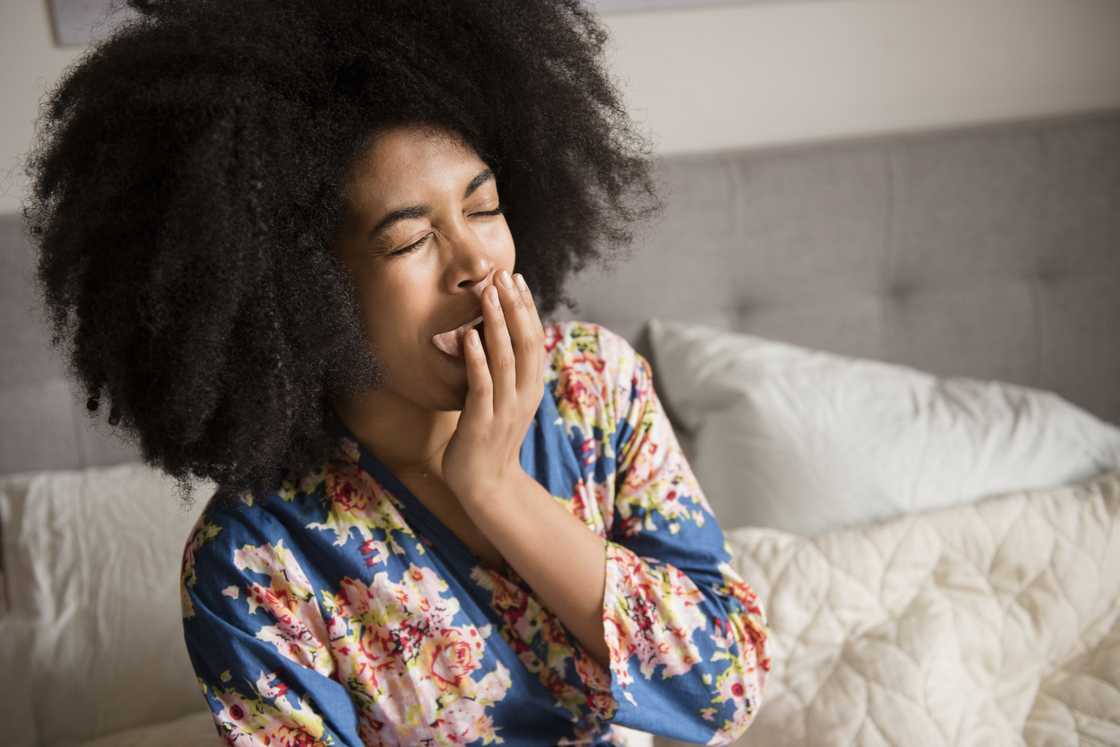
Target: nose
[481, 273]
[473, 259]
[480, 287]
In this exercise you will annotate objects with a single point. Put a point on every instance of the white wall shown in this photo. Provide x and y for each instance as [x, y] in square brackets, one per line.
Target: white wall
[29, 64]
[763, 73]
[784, 72]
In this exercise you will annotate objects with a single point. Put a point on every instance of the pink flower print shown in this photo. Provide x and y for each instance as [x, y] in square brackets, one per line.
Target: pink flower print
[266, 687]
[300, 633]
[346, 496]
[587, 451]
[602, 704]
[452, 662]
[733, 686]
[580, 393]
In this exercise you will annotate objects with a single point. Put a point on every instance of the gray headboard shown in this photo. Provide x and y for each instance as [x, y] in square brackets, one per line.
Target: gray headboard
[990, 252]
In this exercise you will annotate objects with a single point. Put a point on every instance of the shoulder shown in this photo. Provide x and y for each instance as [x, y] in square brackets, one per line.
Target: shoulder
[599, 381]
[230, 519]
[229, 516]
[222, 526]
[587, 354]
[590, 348]
[230, 540]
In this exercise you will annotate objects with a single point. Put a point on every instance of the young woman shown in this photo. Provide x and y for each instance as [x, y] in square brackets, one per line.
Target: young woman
[304, 249]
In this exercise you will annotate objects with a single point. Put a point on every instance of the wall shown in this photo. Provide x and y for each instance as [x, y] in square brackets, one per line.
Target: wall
[786, 72]
[762, 73]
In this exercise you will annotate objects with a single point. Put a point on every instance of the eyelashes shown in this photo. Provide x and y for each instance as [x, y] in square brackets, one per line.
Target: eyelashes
[417, 244]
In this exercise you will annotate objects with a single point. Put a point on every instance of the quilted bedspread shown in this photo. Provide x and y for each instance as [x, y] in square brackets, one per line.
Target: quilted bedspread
[994, 623]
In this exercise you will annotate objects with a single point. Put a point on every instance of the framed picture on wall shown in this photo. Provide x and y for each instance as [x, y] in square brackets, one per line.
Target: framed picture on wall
[79, 22]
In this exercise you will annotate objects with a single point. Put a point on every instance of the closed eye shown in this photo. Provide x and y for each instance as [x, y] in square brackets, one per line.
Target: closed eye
[417, 244]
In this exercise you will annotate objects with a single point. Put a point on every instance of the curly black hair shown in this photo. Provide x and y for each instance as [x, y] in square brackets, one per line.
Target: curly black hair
[186, 185]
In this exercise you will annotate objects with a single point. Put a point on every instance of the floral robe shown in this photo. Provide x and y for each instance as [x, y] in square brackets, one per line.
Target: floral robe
[341, 611]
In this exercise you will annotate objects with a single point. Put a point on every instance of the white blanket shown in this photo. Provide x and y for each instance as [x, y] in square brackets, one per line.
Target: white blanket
[989, 624]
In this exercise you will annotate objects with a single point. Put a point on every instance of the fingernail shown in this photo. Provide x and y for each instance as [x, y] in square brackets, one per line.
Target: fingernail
[520, 282]
[492, 295]
[503, 277]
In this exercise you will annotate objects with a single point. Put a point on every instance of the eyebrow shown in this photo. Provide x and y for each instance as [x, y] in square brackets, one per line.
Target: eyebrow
[420, 211]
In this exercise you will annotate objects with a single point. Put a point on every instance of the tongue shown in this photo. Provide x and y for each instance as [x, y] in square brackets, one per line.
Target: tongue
[452, 342]
[449, 342]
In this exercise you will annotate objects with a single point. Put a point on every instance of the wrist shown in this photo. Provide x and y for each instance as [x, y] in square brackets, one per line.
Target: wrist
[498, 490]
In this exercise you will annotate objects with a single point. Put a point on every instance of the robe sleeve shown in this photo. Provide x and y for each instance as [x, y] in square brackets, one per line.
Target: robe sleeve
[687, 635]
[257, 641]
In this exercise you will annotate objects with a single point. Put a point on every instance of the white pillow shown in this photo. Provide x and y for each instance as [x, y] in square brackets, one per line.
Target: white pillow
[92, 561]
[806, 441]
[17, 632]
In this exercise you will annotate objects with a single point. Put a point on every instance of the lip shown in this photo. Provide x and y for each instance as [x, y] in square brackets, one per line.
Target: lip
[464, 326]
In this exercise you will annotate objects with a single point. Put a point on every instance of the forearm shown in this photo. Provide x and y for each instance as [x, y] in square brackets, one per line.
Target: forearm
[561, 559]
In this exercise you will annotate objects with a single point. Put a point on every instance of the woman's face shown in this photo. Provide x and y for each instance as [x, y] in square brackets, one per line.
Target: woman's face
[421, 242]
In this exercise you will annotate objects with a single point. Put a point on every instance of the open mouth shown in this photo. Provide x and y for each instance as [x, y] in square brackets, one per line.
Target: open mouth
[451, 342]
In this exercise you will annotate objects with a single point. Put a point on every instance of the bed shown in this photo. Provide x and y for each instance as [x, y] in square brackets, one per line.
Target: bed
[892, 363]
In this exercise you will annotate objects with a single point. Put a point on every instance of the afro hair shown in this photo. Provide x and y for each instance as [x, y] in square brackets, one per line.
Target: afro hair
[186, 183]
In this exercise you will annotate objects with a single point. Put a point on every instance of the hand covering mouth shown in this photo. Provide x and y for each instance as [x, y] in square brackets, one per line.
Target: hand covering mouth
[451, 341]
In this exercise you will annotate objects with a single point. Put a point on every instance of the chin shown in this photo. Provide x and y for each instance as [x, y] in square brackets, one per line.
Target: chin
[455, 398]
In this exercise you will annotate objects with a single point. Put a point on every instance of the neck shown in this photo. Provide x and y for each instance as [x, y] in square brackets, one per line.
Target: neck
[404, 437]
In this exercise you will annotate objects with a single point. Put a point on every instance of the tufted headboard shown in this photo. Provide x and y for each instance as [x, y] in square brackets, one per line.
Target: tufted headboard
[989, 252]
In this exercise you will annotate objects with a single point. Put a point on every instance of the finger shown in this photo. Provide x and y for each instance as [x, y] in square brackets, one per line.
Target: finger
[499, 351]
[525, 335]
[526, 295]
[479, 386]
[531, 312]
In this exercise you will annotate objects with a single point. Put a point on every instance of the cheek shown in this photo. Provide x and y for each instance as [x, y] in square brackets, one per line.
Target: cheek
[502, 241]
[396, 314]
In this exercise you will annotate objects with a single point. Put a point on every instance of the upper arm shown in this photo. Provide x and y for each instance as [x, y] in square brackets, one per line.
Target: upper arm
[257, 640]
[673, 600]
